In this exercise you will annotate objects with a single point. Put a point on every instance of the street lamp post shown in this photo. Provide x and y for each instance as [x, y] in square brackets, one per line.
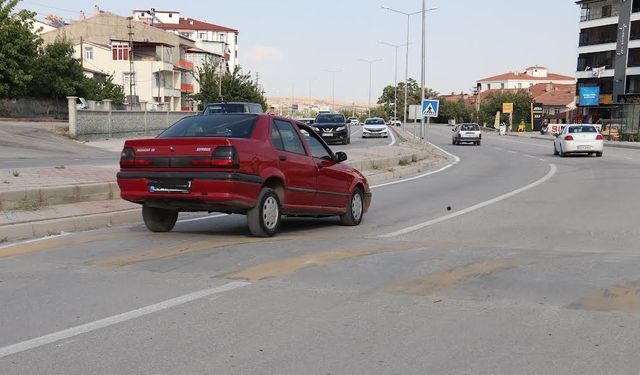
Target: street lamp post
[370, 62]
[406, 64]
[333, 87]
[395, 87]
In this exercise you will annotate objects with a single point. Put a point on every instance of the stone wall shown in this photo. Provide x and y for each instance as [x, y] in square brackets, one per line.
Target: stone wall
[33, 107]
[91, 124]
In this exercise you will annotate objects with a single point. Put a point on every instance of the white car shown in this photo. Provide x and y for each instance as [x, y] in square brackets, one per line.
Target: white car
[353, 121]
[374, 127]
[579, 139]
[466, 133]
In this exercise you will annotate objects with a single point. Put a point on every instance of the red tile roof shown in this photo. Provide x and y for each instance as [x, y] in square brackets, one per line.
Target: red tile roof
[191, 24]
[526, 77]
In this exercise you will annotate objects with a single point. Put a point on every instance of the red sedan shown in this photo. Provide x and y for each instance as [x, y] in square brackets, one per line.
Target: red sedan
[262, 166]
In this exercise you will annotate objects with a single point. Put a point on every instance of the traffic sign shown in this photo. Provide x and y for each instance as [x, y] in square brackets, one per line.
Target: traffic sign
[294, 107]
[430, 107]
[507, 107]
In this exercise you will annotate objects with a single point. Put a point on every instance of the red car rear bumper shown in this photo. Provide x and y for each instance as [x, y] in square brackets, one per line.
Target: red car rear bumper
[233, 190]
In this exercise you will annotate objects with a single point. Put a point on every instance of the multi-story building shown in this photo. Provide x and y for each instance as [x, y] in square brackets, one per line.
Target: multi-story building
[215, 39]
[153, 66]
[523, 80]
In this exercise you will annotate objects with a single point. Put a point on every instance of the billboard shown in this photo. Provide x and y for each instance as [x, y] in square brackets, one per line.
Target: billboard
[589, 96]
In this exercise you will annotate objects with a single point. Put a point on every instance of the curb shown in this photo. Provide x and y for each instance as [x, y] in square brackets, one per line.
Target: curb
[64, 194]
[614, 145]
[25, 231]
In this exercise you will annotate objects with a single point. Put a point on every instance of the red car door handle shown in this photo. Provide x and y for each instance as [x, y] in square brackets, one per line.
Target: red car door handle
[282, 158]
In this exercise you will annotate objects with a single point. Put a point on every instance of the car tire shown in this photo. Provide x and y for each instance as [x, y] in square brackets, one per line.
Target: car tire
[599, 154]
[159, 219]
[355, 209]
[562, 154]
[555, 150]
[453, 142]
[264, 219]
[478, 143]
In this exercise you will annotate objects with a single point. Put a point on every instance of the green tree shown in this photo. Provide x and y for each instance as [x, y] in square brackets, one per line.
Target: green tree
[56, 73]
[521, 100]
[18, 49]
[100, 88]
[453, 110]
[236, 87]
[414, 94]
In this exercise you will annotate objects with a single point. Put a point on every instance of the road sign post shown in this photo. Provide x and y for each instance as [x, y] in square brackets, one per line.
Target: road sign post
[430, 109]
[508, 108]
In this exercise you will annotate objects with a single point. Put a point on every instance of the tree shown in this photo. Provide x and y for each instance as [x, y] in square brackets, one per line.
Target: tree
[414, 94]
[18, 49]
[521, 100]
[100, 88]
[453, 110]
[236, 87]
[56, 73]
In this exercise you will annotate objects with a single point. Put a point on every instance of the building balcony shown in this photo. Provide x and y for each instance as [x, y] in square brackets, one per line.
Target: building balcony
[185, 64]
[597, 48]
[585, 74]
[161, 66]
[186, 87]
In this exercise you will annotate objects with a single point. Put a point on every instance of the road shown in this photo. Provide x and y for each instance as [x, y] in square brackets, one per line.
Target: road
[510, 261]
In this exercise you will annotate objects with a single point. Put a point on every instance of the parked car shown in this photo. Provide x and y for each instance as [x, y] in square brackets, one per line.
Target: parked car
[232, 107]
[394, 121]
[258, 165]
[374, 127]
[333, 127]
[466, 133]
[579, 139]
[353, 121]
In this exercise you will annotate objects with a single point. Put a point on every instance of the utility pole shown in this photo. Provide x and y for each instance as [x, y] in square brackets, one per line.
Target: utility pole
[395, 87]
[422, 67]
[81, 52]
[333, 86]
[131, 71]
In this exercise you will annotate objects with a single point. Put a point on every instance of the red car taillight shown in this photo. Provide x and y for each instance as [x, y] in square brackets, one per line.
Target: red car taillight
[222, 157]
[568, 138]
[128, 159]
[599, 137]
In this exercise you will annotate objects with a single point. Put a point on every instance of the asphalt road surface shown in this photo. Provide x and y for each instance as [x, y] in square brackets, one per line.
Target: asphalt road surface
[510, 261]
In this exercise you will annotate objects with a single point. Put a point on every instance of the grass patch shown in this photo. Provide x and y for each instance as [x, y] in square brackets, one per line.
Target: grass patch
[28, 205]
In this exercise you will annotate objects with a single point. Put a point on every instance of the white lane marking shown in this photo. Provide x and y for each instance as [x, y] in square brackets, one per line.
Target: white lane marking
[628, 158]
[201, 218]
[530, 156]
[552, 171]
[511, 151]
[35, 240]
[393, 138]
[115, 319]
[455, 161]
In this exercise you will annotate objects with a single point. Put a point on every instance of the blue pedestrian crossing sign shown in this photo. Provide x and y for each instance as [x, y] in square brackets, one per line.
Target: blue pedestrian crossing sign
[430, 107]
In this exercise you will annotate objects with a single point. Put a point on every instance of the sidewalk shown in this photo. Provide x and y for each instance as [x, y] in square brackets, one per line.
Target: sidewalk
[36, 202]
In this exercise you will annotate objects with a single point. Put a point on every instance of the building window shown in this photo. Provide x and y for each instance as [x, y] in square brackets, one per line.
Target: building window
[202, 36]
[502, 85]
[170, 15]
[88, 53]
[519, 85]
[222, 37]
[120, 51]
[186, 35]
[488, 86]
[531, 85]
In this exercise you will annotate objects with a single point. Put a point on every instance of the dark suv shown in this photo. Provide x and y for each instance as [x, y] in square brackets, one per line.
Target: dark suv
[333, 128]
[232, 107]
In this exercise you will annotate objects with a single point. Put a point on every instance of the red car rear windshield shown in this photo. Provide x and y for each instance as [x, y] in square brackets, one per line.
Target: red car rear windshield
[221, 125]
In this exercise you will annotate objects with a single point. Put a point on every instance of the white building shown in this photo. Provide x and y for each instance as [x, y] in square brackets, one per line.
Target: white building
[517, 80]
[215, 39]
[155, 67]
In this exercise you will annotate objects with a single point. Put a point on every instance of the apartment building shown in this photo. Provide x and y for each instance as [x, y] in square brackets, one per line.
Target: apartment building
[153, 66]
[215, 39]
[609, 49]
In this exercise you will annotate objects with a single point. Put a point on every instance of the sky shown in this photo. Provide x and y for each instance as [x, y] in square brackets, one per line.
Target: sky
[293, 44]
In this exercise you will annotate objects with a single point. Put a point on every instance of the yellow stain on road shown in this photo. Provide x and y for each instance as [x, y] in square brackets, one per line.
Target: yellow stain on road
[290, 266]
[623, 298]
[44, 245]
[440, 281]
[180, 249]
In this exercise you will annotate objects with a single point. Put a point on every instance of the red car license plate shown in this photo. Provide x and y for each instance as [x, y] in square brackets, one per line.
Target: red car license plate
[170, 186]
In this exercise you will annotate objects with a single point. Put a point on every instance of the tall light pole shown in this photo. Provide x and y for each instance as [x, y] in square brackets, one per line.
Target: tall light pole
[423, 130]
[406, 64]
[370, 62]
[395, 84]
[333, 86]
